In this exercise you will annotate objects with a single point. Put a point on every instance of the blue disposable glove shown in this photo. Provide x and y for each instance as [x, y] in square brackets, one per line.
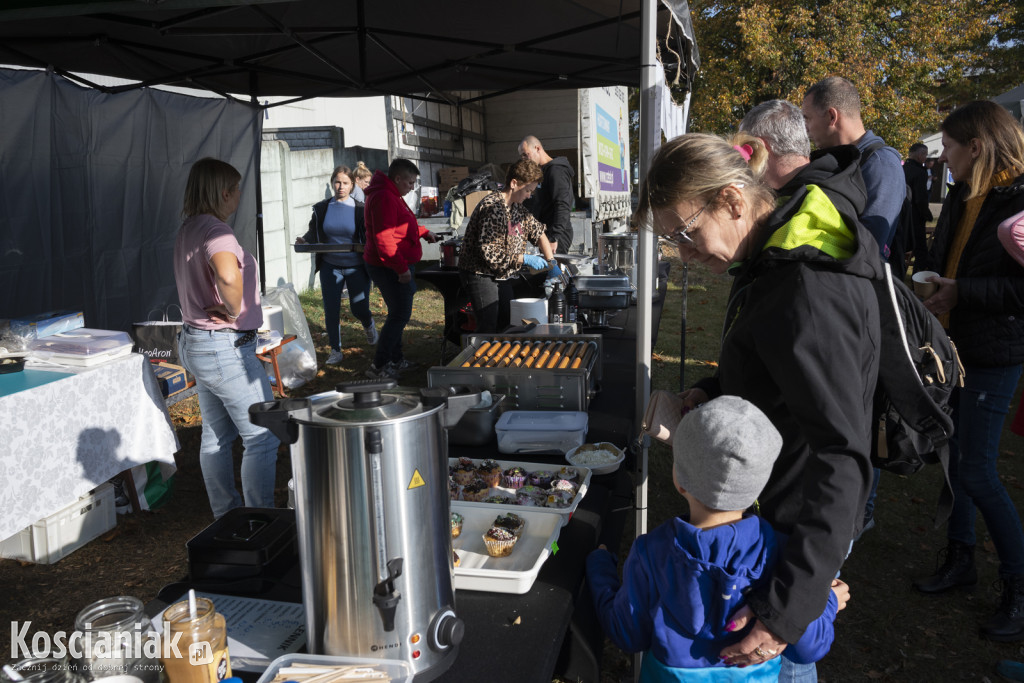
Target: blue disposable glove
[534, 262]
[556, 272]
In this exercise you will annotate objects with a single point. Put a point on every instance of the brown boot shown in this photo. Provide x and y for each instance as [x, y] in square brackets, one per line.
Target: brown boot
[957, 570]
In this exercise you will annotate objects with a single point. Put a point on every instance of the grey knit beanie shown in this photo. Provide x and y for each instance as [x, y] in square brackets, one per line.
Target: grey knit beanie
[724, 451]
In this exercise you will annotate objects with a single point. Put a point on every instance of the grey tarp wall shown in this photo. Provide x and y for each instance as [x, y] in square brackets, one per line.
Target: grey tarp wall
[91, 187]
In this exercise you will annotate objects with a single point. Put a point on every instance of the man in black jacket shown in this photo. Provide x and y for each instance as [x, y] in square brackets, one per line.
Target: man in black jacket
[917, 178]
[553, 200]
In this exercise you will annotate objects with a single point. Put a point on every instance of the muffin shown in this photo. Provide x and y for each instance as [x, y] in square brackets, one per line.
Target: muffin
[541, 478]
[453, 489]
[531, 496]
[465, 472]
[514, 477]
[489, 471]
[475, 491]
[558, 499]
[456, 524]
[456, 560]
[560, 484]
[569, 474]
[512, 522]
[499, 541]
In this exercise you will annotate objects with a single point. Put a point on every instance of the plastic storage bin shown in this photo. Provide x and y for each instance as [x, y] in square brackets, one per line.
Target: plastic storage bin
[84, 346]
[45, 324]
[64, 532]
[398, 670]
[541, 431]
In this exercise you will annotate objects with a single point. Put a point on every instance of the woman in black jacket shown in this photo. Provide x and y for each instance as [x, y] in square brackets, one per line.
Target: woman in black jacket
[339, 220]
[980, 301]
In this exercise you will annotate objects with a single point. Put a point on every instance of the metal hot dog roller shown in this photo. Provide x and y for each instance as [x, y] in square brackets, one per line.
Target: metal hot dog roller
[534, 372]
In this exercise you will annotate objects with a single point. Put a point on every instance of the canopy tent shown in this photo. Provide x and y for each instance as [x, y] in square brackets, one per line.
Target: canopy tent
[313, 48]
[303, 48]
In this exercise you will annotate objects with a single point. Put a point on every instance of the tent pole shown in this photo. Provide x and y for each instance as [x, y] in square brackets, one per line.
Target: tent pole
[649, 137]
[257, 134]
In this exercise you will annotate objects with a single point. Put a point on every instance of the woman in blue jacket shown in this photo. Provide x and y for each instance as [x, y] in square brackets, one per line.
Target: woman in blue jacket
[339, 220]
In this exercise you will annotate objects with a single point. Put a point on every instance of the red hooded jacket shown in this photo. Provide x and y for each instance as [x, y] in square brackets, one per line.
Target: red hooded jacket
[392, 233]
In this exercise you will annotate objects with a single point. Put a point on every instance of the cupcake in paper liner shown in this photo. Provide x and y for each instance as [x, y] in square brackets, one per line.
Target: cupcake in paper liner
[530, 496]
[563, 485]
[512, 522]
[465, 472]
[569, 474]
[499, 541]
[475, 491]
[489, 471]
[541, 478]
[457, 521]
[558, 499]
[515, 477]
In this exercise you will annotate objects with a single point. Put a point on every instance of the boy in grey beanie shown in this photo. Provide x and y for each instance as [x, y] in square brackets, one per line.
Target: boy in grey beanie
[683, 582]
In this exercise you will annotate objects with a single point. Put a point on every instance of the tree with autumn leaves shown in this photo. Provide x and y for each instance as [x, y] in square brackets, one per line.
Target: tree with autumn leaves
[911, 60]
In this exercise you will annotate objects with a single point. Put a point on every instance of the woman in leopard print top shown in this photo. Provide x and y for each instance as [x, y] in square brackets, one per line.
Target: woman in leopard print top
[493, 249]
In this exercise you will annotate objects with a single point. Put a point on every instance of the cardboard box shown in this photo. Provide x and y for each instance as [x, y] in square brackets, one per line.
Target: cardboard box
[46, 324]
[171, 377]
[449, 177]
[65, 531]
[472, 199]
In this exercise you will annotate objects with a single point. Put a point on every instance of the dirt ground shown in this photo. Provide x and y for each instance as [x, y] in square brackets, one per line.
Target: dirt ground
[888, 633]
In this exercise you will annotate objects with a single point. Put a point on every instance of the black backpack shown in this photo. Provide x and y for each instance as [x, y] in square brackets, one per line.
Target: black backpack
[904, 222]
[918, 371]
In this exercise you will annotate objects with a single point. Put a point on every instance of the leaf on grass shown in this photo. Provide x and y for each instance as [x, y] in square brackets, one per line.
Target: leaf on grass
[917, 500]
[875, 675]
[112, 535]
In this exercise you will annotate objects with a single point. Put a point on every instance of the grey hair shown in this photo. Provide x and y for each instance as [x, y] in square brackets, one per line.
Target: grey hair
[781, 123]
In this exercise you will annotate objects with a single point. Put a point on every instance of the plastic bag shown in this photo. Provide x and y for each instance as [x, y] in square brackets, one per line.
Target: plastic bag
[297, 360]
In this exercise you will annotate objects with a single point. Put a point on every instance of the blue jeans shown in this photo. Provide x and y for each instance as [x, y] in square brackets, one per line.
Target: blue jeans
[398, 297]
[791, 672]
[332, 281]
[229, 379]
[979, 410]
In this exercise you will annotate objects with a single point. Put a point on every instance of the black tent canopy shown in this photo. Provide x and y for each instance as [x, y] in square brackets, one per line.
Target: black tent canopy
[312, 48]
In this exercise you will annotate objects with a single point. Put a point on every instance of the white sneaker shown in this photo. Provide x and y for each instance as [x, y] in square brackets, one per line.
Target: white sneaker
[371, 333]
[403, 365]
[335, 357]
[386, 372]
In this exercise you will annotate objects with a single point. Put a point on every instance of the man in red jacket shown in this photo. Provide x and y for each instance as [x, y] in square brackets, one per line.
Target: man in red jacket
[392, 249]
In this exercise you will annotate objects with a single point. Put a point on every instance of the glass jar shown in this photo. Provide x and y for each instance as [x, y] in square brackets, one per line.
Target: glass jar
[118, 639]
[202, 648]
[44, 670]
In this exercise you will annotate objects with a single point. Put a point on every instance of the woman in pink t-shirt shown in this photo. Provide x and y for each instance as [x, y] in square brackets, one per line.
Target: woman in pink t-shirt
[220, 302]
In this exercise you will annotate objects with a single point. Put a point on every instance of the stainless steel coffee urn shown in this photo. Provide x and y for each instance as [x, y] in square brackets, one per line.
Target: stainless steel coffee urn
[370, 472]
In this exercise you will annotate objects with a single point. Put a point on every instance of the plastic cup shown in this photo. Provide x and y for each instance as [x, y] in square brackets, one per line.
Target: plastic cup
[922, 287]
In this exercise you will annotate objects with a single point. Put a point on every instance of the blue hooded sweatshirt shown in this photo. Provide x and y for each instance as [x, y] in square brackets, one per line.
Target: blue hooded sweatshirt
[681, 586]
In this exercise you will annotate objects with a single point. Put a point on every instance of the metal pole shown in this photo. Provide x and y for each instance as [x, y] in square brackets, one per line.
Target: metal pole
[649, 137]
[257, 134]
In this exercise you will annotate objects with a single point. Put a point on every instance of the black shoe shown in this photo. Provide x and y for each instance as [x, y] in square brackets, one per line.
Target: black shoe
[957, 570]
[1007, 624]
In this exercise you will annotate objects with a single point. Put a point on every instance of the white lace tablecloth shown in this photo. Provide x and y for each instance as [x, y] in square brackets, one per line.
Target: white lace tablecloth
[66, 437]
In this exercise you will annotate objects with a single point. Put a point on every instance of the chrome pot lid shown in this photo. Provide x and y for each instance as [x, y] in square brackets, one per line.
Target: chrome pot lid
[368, 403]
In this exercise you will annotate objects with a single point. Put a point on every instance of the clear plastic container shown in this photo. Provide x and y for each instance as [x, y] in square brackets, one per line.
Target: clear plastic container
[84, 346]
[541, 431]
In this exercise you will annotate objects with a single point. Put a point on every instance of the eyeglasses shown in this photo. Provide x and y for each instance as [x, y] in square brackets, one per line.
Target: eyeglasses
[681, 236]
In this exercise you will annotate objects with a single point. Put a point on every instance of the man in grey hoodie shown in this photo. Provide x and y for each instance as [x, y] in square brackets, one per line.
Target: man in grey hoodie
[552, 201]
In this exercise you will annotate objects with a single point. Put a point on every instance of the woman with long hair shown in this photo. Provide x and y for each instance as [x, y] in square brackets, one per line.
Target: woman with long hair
[980, 301]
[218, 287]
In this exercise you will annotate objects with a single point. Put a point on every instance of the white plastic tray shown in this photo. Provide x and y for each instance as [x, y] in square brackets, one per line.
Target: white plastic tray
[496, 508]
[398, 670]
[516, 573]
